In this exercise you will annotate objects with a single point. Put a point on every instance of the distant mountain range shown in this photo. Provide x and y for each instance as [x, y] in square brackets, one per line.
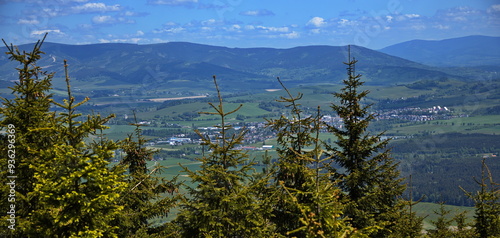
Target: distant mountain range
[463, 52]
[192, 65]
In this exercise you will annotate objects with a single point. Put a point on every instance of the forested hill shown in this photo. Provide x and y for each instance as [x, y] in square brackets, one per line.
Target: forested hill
[170, 62]
[463, 51]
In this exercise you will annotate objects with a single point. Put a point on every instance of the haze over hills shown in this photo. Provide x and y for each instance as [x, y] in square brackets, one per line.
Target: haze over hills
[188, 64]
[464, 51]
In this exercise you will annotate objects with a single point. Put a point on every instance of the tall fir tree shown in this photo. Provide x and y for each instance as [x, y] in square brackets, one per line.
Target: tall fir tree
[464, 228]
[294, 133]
[28, 117]
[368, 175]
[77, 189]
[409, 223]
[442, 223]
[147, 196]
[223, 202]
[487, 204]
[305, 202]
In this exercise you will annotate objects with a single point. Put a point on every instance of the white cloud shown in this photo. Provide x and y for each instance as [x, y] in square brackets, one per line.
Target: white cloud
[170, 23]
[460, 18]
[343, 22]
[158, 40]
[50, 12]
[102, 19]
[234, 27]
[104, 41]
[134, 40]
[459, 14]
[273, 29]
[315, 31]
[172, 2]
[106, 19]
[28, 22]
[494, 9]
[291, 35]
[96, 7]
[37, 33]
[441, 27]
[134, 14]
[174, 30]
[278, 29]
[250, 13]
[125, 40]
[261, 12]
[209, 22]
[316, 22]
[350, 23]
[412, 16]
[418, 27]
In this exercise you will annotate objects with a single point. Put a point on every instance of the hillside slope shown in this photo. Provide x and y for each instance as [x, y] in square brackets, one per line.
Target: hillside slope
[464, 51]
[167, 64]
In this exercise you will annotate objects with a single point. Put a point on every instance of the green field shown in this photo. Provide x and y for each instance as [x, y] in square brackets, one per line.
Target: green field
[427, 210]
[422, 209]
[475, 106]
[488, 124]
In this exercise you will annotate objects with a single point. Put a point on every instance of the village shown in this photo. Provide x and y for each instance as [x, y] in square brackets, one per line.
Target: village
[259, 133]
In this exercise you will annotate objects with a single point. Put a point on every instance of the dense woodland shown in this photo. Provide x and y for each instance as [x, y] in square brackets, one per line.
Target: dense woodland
[58, 179]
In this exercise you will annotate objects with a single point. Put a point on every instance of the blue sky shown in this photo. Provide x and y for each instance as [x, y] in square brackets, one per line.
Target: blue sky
[247, 23]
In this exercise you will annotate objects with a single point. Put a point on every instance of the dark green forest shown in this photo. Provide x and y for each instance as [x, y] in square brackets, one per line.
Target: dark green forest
[62, 176]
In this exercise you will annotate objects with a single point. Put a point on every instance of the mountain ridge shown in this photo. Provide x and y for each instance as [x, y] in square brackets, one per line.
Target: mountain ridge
[475, 50]
[166, 64]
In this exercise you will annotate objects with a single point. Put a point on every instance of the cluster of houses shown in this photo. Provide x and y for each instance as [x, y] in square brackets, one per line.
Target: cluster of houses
[176, 141]
[258, 132]
[264, 147]
[417, 114]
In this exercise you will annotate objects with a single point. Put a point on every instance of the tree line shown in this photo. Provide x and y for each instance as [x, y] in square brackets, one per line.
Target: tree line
[58, 179]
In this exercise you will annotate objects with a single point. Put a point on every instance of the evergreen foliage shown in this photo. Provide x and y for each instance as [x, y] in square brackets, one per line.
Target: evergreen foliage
[77, 189]
[147, 195]
[408, 223]
[442, 224]
[28, 117]
[487, 203]
[294, 133]
[305, 202]
[464, 229]
[222, 204]
[65, 185]
[368, 177]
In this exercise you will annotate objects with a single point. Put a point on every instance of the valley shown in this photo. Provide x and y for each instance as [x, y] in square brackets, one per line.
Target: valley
[442, 120]
[448, 126]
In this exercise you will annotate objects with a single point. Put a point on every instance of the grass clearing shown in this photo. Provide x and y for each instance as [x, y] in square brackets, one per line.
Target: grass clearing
[425, 209]
[489, 124]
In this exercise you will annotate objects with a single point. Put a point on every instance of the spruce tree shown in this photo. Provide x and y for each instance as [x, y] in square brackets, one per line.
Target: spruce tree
[487, 204]
[77, 189]
[30, 123]
[306, 203]
[442, 224]
[222, 202]
[147, 196]
[294, 134]
[464, 228]
[408, 224]
[368, 175]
